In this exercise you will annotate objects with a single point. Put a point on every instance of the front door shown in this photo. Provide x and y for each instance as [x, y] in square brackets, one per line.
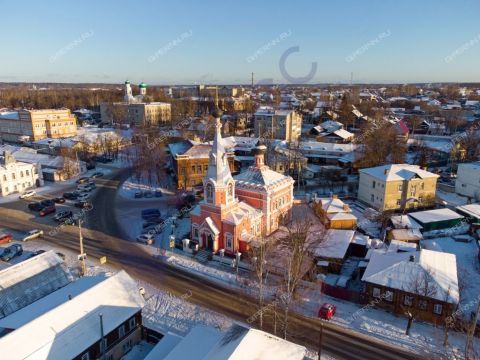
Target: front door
[209, 242]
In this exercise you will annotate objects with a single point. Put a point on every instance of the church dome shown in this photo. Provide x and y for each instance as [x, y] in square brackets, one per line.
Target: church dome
[142, 85]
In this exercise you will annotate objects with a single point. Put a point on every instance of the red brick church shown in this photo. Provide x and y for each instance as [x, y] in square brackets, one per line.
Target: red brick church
[237, 210]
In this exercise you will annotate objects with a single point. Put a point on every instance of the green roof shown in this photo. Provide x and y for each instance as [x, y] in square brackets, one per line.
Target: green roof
[142, 85]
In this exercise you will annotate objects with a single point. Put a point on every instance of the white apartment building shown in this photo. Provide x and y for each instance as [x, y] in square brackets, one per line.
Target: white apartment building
[468, 180]
[17, 176]
[277, 124]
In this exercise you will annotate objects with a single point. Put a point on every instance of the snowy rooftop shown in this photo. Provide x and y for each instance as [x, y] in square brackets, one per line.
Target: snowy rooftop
[10, 115]
[397, 271]
[319, 147]
[49, 302]
[261, 177]
[70, 328]
[472, 210]
[404, 222]
[30, 280]
[394, 172]
[333, 205]
[335, 244]
[406, 234]
[237, 343]
[430, 216]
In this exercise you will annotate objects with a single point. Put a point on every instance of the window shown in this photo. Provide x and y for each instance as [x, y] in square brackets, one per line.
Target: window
[205, 167]
[229, 241]
[131, 323]
[372, 198]
[437, 309]
[420, 199]
[399, 202]
[4, 177]
[127, 346]
[376, 292]
[209, 193]
[230, 190]
[86, 356]
[195, 232]
[464, 185]
[13, 176]
[407, 300]
[400, 187]
[422, 186]
[121, 331]
[389, 296]
[193, 169]
[21, 173]
[27, 172]
[373, 184]
[422, 304]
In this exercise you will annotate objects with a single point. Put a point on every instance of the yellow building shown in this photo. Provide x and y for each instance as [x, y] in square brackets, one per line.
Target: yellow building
[334, 213]
[277, 124]
[397, 187]
[34, 125]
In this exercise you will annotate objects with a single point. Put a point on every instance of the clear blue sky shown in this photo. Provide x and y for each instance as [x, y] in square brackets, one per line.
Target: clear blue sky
[109, 41]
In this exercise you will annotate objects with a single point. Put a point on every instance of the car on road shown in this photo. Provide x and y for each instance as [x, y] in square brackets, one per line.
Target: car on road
[27, 194]
[47, 210]
[138, 195]
[158, 193]
[32, 234]
[35, 206]
[83, 180]
[83, 205]
[149, 213]
[59, 200]
[146, 239]
[70, 195]
[62, 215]
[10, 252]
[47, 202]
[5, 238]
[327, 311]
[97, 175]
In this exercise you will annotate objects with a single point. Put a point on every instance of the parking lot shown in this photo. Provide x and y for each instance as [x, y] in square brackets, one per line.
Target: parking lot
[44, 222]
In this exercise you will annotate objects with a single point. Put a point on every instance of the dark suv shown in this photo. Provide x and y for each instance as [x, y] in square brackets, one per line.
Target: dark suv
[10, 252]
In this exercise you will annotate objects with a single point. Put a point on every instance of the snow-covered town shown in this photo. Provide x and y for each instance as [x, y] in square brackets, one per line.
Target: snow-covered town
[239, 212]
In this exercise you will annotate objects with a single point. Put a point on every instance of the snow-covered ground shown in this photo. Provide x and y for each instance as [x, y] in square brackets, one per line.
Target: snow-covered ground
[131, 186]
[452, 199]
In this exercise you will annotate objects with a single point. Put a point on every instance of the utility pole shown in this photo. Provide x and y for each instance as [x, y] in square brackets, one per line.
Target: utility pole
[320, 336]
[102, 343]
[82, 255]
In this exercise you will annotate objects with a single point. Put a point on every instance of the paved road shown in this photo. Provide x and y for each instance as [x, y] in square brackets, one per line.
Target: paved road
[103, 237]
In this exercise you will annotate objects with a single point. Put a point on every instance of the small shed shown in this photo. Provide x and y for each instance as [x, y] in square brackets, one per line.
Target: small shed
[437, 219]
[470, 211]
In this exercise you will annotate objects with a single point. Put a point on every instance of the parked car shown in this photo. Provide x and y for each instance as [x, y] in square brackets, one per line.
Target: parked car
[146, 239]
[61, 255]
[35, 206]
[5, 238]
[138, 195]
[48, 210]
[83, 196]
[148, 194]
[146, 213]
[83, 205]
[47, 202]
[32, 234]
[62, 215]
[10, 252]
[59, 200]
[97, 175]
[27, 194]
[154, 219]
[82, 180]
[158, 193]
[70, 195]
[327, 311]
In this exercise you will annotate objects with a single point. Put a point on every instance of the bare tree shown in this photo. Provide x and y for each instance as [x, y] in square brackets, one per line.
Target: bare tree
[421, 286]
[259, 253]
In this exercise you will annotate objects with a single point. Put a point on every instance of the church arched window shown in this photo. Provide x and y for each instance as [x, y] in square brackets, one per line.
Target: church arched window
[209, 193]
[230, 190]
